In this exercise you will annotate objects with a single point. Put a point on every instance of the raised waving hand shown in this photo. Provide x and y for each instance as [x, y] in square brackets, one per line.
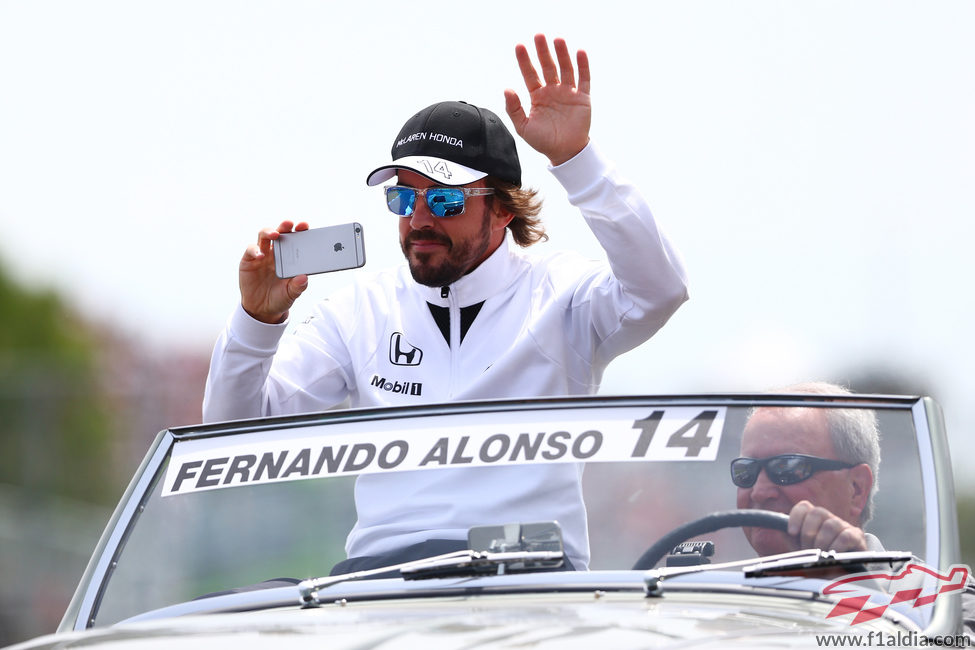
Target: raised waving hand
[557, 124]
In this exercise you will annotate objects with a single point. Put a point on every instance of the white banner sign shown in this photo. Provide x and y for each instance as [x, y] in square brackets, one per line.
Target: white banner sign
[623, 434]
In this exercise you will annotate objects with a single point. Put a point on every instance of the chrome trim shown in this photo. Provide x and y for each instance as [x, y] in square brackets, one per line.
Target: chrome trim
[940, 500]
[365, 414]
[398, 589]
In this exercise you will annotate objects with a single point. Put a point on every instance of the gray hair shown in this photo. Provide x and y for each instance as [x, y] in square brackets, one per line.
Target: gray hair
[853, 431]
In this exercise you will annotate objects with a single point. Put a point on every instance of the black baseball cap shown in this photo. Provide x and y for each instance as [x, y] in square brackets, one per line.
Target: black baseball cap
[453, 143]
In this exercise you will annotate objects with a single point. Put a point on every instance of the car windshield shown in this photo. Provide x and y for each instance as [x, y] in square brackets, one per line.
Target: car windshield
[221, 507]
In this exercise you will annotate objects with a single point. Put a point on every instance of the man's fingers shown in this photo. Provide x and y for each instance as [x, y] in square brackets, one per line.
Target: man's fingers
[264, 239]
[582, 60]
[528, 72]
[555, 71]
[824, 532]
[797, 516]
[545, 60]
[252, 253]
[267, 235]
[817, 527]
[851, 539]
[512, 105]
[812, 525]
[566, 70]
[297, 286]
[841, 536]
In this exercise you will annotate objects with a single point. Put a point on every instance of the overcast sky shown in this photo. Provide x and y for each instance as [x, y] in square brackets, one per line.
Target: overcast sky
[814, 162]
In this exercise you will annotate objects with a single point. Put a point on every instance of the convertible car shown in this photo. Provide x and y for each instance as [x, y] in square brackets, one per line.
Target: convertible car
[644, 533]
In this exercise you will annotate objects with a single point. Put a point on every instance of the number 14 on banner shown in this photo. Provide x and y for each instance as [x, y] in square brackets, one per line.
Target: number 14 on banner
[670, 438]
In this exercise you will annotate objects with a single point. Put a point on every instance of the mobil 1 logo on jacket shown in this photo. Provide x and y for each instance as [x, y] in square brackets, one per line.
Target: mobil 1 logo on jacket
[403, 355]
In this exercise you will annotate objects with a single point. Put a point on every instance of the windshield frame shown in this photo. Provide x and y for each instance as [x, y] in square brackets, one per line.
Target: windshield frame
[942, 545]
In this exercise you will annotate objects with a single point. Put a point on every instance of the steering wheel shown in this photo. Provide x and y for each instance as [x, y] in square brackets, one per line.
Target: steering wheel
[709, 524]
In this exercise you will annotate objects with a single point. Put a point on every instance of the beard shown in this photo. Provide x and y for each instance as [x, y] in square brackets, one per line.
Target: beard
[459, 259]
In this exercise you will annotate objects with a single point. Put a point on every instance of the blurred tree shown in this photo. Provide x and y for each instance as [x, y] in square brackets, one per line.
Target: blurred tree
[69, 389]
[888, 382]
[55, 426]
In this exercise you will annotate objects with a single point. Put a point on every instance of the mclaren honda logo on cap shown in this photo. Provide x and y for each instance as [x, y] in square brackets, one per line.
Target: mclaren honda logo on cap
[432, 137]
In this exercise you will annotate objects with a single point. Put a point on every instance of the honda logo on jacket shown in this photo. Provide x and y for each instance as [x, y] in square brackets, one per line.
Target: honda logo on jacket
[402, 352]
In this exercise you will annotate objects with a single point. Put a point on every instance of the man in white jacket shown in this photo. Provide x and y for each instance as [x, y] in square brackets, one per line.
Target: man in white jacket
[468, 317]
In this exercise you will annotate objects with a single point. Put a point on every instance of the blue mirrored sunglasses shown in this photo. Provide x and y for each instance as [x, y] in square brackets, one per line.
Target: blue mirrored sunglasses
[442, 201]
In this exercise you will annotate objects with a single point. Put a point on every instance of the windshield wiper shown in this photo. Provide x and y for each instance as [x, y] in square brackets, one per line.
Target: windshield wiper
[775, 564]
[494, 550]
[309, 588]
[465, 563]
[818, 559]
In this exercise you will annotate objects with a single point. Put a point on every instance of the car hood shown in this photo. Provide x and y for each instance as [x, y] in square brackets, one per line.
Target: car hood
[541, 621]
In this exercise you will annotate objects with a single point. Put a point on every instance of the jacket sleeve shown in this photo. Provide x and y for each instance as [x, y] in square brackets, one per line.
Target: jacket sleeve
[645, 283]
[258, 369]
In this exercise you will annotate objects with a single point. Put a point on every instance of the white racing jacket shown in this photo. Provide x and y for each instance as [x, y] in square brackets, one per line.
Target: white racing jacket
[547, 327]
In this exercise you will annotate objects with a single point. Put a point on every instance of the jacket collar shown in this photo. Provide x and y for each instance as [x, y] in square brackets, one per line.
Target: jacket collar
[490, 277]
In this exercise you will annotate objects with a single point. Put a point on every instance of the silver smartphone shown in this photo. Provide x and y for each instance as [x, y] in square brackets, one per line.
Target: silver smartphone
[319, 250]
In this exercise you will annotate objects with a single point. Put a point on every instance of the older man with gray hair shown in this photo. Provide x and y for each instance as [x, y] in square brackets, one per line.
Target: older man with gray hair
[817, 465]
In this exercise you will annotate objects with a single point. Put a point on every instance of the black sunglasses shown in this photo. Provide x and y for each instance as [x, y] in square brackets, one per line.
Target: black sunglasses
[784, 469]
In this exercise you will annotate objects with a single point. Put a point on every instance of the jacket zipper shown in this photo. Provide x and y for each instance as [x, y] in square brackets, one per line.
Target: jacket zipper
[454, 311]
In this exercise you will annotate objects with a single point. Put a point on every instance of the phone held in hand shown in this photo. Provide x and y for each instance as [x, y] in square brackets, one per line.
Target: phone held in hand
[319, 250]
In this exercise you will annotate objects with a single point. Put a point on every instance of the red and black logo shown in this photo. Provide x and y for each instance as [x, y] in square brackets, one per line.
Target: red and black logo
[917, 585]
